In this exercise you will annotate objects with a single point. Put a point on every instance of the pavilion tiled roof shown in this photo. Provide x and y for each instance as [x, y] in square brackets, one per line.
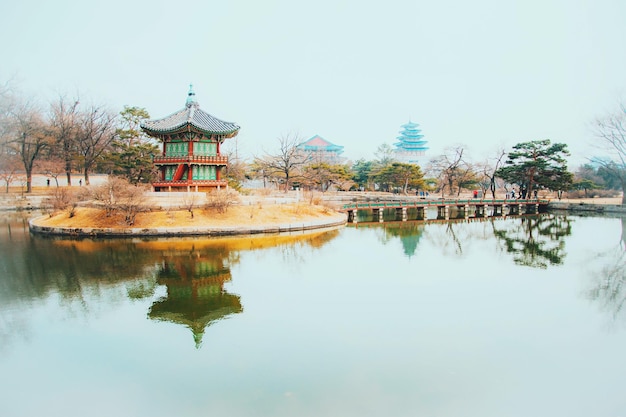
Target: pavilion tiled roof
[410, 138]
[318, 143]
[190, 116]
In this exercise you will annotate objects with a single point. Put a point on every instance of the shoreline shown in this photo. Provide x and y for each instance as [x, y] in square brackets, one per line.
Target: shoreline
[584, 207]
[242, 226]
[200, 230]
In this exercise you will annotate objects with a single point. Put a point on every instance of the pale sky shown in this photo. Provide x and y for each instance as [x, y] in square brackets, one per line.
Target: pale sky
[485, 73]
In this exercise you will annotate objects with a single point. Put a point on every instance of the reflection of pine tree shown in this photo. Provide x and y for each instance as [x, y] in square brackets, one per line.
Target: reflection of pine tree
[409, 234]
[535, 241]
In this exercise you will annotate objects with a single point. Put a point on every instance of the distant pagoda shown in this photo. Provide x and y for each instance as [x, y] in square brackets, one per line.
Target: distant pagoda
[410, 146]
[191, 158]
[321, 150]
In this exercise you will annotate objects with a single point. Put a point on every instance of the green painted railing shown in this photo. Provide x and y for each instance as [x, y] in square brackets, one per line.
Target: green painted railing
[439, 203]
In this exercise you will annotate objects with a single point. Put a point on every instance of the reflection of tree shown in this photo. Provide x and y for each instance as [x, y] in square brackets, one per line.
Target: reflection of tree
[108, 271]
[295, 252]
[451, 238]
[34, 266]
[195, 290]
[455, 239]
[610, 284]
[409, 233]
[535, 241]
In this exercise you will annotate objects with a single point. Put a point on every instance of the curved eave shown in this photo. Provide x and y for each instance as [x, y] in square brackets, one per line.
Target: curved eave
[403, 144]
[189, 127]
[189, 119]
[411, 149]
[410, 138]
[412, 142]
[334, 148]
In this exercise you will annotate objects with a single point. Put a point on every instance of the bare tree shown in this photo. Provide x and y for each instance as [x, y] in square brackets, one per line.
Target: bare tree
[65, 124]
[97, 131]
[51, 167]
[236, 170]
[61, 199]
[9, 167]
[9, 159]
[488, 171]
[221, 200]
[286, 163]
[118, 195]
[257, 170]
[450, 168]
[107, 194]
[7, 102]
[611, 133]
[190, 202]
[132, 202]
[27, 136]
[384, 156]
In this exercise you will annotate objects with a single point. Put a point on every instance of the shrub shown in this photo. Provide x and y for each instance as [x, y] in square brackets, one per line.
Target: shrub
[61, 199]
[263, 192]
[190, 202]
[592, 194]
[220, 200]
[131, 202]
[118, 195]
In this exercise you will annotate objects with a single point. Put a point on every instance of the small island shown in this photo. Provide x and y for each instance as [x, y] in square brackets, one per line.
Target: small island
[190, 194]
[249, 216]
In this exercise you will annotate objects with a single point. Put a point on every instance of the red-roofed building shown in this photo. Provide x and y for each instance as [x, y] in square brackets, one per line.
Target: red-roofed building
[321, 150]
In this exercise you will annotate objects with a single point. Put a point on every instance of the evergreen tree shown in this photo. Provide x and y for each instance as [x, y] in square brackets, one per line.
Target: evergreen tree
[400, 175]
[132, 150]
[537, 164]
[362, 172]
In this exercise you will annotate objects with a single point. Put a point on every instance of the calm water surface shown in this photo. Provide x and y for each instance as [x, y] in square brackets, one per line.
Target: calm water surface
[515, 317]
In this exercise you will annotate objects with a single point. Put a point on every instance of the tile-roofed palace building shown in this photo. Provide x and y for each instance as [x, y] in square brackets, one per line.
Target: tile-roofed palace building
[320, 150]
[190, 158]
[410, 146]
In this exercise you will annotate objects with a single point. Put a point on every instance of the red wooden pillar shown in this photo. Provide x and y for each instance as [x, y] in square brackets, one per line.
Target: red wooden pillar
[189, 166]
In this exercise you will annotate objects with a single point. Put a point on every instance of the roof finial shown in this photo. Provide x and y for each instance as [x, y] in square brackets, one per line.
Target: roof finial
[191, 97]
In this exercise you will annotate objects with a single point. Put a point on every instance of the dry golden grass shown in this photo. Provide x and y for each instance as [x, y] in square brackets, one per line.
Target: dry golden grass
[235, 216]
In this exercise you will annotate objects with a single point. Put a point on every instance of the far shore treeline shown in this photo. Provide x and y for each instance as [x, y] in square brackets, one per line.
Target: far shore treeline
[68, 138]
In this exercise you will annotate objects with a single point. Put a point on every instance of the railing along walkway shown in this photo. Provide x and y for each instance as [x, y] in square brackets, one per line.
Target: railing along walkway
[440, 203]
[479, 207]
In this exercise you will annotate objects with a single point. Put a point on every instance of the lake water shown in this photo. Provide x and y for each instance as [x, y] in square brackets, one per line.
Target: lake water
[521, 316]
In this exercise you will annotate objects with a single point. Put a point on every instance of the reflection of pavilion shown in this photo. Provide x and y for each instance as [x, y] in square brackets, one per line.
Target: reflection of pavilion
[195, 294]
